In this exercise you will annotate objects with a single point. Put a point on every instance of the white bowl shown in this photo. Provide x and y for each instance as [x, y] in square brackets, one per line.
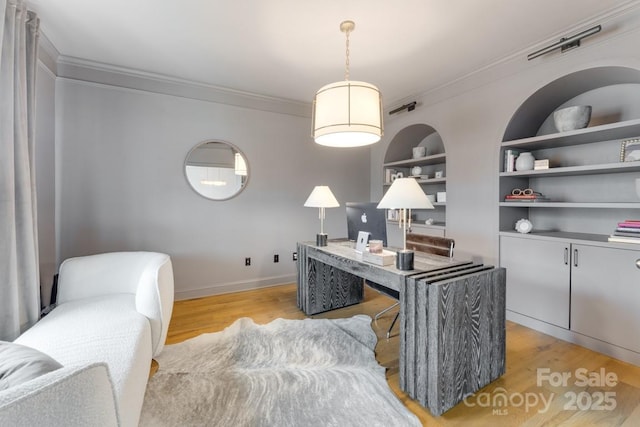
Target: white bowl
[571, 118]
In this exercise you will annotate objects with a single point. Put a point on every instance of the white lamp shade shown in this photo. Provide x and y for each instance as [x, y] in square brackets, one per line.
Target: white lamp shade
[405, 193]
[347, 114]
[321, 197]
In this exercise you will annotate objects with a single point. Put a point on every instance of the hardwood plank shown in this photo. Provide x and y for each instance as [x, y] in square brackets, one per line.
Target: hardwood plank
[527, 351]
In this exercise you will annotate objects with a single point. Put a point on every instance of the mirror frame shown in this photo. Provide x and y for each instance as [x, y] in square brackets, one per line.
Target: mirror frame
[233, 147]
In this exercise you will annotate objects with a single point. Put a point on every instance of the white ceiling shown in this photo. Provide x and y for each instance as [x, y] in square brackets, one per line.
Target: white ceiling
[290, 48]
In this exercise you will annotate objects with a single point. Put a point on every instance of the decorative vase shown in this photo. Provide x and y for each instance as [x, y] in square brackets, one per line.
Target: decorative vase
[416, 170]
[419, 151]
[525, 162]
[572, 118]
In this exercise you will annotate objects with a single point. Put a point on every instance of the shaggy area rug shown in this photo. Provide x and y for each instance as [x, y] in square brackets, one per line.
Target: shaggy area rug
[312, 372]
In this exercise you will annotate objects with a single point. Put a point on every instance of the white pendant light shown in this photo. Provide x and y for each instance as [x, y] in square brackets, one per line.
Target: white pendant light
[347, 113]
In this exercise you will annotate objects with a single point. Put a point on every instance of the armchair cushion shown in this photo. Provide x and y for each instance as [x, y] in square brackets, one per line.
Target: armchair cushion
[19, 364]
[147, 275]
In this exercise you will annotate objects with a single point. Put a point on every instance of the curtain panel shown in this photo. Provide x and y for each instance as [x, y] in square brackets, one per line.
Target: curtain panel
[19, 275]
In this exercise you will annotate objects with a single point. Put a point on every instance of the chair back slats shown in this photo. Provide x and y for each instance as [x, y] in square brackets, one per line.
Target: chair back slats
[430, 244]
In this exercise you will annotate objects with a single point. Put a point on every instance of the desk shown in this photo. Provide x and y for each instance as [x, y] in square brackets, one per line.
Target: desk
[452, 316]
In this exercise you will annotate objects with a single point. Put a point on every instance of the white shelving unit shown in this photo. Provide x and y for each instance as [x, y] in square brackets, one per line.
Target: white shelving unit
[584, 176]
[565, 278]
[399, 157]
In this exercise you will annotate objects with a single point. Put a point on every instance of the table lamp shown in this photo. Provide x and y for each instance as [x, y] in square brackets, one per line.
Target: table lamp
[321, 197]
[405, 194]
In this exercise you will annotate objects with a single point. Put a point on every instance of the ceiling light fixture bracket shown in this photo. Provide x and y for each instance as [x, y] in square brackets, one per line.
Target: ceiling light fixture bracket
[347, 26]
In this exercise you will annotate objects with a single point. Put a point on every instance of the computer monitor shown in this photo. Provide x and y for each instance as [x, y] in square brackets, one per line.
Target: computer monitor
[366, 217]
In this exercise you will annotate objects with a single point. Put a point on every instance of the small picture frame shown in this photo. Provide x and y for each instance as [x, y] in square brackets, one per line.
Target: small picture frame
[361, 243]
[630, 150]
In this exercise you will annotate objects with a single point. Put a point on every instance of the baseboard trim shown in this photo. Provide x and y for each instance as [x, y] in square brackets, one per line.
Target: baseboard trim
[227, 288]
[573, 337]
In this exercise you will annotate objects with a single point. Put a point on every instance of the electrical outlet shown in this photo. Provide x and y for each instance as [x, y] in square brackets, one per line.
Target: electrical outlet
[295, 256]
[247, 261]
[276, 258]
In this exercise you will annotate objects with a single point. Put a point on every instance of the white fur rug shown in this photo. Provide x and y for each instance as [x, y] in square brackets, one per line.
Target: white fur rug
[312, 372]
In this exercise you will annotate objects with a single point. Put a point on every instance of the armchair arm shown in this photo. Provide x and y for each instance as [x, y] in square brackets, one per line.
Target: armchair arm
[147, 275]
[75, 396]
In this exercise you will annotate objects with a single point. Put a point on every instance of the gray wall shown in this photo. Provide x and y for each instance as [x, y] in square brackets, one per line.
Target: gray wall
[472, 114]
[122, 185]
[120, 152]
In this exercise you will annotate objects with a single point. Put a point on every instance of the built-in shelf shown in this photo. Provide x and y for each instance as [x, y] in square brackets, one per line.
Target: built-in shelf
[618, 130]
[436, 225]
[399, 159]
[421, 161]
[545, 235]
[586, 205]
[578, 170]
[585, 238]
[428, 181]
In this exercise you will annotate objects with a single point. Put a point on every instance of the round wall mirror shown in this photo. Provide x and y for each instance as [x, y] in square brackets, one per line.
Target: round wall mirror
[216, 170]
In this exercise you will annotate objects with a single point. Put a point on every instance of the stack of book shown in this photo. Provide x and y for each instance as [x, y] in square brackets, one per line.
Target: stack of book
[535, 197]
[627, 231]
[510, 160]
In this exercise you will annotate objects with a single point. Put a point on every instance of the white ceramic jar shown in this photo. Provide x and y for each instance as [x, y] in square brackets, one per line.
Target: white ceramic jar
[525, 162]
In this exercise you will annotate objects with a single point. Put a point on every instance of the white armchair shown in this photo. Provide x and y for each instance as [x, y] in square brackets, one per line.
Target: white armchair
[113, 312]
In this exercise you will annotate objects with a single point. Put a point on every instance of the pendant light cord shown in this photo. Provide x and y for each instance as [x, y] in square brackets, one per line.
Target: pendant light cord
[346, 27]
[346, 74]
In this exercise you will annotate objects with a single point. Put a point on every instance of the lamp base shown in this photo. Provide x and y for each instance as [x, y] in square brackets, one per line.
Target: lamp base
[404, 260]
[321, 239]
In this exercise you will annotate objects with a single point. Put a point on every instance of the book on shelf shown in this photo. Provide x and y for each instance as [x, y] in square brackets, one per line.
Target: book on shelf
[510, 160]
[631, 229]
[624, 239]
[635, 234]
[537, 200]
[523, 196]
[526, 198]
[388, 172]
[629, 224]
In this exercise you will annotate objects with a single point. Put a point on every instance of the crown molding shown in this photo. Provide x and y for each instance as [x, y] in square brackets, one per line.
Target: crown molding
[95, 72]
[47, 53]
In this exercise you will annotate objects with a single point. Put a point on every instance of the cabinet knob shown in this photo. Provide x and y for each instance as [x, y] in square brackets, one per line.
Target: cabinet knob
[638, 263]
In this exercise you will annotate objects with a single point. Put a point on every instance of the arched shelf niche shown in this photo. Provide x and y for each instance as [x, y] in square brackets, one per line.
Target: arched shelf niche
[402, 144]
[587, 187]
[399, 159]
[594, 85]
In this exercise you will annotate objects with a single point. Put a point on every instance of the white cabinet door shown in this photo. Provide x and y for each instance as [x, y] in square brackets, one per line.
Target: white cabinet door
[538, 275]
[605, 294]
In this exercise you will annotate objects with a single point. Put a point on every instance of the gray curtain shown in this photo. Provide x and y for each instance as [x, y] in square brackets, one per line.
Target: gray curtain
[19, 276]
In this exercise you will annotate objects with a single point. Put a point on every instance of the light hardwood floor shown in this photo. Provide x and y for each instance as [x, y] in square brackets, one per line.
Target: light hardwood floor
[527, 352]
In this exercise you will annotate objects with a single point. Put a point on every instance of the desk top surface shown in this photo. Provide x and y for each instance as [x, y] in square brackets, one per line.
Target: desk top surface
[423, 262]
